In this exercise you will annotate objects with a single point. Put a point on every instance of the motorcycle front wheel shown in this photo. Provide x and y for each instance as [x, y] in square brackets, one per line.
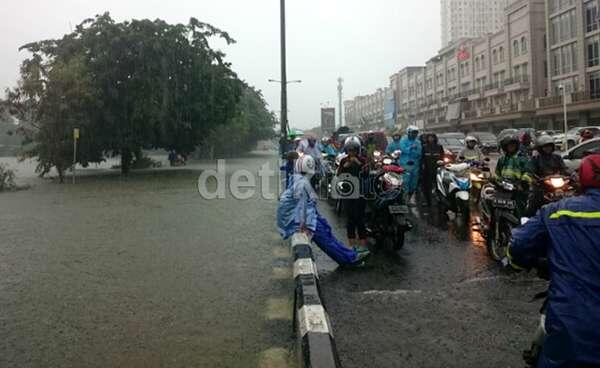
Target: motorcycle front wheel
[498, 239]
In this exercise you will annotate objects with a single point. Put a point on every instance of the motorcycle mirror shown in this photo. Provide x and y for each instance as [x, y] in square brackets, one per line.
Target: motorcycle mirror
[487, 159]
[462, 158]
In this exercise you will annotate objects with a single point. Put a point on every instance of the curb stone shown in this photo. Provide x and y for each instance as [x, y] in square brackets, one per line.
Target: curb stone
[314, 336]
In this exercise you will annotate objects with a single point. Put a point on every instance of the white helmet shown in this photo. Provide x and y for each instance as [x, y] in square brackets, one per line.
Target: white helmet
[352, 143]
[305, 165]
[470, 138]
[412, 128]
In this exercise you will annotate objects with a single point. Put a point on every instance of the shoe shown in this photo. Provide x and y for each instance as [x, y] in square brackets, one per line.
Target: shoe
[362, 255]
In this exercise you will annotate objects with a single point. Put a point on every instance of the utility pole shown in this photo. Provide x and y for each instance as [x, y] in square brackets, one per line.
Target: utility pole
[284, 83]
[340, 96]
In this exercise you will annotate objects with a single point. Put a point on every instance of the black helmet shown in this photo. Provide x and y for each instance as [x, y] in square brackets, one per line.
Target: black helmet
[509, 139]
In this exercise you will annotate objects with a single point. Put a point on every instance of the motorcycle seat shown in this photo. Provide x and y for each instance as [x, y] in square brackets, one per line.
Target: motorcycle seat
[393, 168]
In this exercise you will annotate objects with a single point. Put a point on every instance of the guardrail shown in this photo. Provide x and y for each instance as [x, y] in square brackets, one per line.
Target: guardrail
[316, 345]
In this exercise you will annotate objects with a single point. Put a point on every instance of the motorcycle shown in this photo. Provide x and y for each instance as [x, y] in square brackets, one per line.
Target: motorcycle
[387, 213]
[329, 170]
[556, 188]
[498, 208]
[453, 186]
[480, 176]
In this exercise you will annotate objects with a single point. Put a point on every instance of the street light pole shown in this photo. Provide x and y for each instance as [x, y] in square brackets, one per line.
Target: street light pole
[284, 83]
[566, 124]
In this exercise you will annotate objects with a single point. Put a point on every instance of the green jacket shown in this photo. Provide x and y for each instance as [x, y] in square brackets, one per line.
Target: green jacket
[515, 168]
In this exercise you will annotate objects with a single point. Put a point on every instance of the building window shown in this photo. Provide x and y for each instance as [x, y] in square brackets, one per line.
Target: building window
[495, 56]
[593, 56]
[563, 27]
[591, 16]
[523, 45]
[482, 61]
[501, 54]
[515, 48]
[594, 79]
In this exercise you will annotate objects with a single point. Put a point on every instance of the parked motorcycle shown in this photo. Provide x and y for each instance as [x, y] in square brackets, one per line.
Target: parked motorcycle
[498, 208]
[453, 186]
[387, 213]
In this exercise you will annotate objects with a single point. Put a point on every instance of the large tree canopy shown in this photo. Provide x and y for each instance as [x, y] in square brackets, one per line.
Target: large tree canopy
[129, 86]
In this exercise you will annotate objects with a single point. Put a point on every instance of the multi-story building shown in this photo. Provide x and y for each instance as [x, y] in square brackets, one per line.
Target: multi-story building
[574, 62]
[366, 112]
[404, 87]
[486, 83]
[470, 18]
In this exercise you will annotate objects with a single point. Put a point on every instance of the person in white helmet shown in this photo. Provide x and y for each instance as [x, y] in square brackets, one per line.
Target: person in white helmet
[298, 212]
[471, 152]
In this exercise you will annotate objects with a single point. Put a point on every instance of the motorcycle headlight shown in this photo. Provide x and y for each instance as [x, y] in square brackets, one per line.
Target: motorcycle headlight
[376, 154]
[557, 182]
[387, 161]
[447, 160]
[392, 179]
[508, 186]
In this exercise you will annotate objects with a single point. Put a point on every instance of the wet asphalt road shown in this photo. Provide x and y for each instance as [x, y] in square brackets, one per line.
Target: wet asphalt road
[439, 302]
[142, 272]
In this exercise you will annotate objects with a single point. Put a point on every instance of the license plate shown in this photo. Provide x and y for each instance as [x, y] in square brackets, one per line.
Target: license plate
[505, 203]
[398, 210]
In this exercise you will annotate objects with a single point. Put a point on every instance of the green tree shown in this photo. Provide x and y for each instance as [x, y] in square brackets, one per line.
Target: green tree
[131, 86]
[253, 122]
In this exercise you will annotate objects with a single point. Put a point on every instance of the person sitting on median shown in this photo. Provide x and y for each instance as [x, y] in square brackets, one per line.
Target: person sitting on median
[298, 212]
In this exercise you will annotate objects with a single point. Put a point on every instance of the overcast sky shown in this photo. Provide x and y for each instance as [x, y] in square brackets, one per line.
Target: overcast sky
[362, 41]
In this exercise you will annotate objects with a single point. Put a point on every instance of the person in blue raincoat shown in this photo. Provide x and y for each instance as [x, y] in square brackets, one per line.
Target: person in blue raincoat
[327, 147]
[567, 234]
[395, 143]
[411, 151]
[297, 212]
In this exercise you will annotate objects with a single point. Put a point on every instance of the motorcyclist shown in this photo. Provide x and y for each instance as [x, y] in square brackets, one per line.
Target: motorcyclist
[355, 165]
[298, 212]
[471, 152]
[432, 153]
[526, 145]
[544, 164]
[513, 166]
[586, 135]
[395, 144]
[566, 234]
[412, 152]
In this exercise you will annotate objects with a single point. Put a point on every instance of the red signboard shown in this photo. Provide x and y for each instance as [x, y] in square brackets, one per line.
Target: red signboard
[462, 53]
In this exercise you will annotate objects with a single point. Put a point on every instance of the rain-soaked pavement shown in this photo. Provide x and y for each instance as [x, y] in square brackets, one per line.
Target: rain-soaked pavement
[440, 302]
[142, 272]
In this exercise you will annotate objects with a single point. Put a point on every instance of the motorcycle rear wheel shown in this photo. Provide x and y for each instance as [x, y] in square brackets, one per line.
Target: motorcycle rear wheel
[394, 242]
